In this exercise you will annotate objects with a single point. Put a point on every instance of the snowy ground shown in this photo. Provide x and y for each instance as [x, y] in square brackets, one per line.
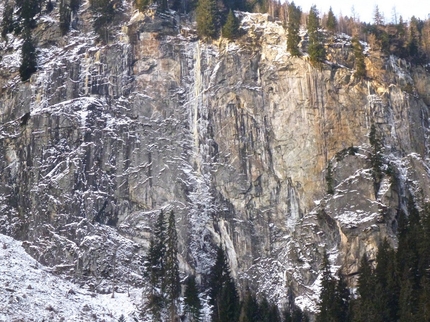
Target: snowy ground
[29, 292]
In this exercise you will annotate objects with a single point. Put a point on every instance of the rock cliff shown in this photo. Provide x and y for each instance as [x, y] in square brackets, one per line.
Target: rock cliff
[239, 138]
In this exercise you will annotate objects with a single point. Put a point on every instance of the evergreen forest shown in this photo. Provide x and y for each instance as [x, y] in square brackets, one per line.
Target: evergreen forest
[393, 286]
[409, 40]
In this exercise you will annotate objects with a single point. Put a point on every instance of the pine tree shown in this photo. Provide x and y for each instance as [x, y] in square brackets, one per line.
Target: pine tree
[29, 9]
[206, 19]
[223, 294]
[328, 293]
[342, 300]
[121, 318]
[7, 22]
[378, 18]
[162, 5]
[376, 157]
[49, 6]
[386, 287]
[316, 49]
[424, 300]
[360, 66]
[231, 28]
[408, 258]
[171, 271]
[293, 38]
[250, 308]
[365, 309]
[192, 302]
[331, 21]
[154, 264]
[28, 57]
[65, 16]
[329, 179]
[103, 11]
[74, 5]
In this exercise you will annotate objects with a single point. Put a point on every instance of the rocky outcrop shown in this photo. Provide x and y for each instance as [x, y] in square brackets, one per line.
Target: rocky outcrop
[235, 137]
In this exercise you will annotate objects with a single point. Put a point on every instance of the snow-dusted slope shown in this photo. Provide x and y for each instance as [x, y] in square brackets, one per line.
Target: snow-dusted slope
[30, 292]
[235, 137]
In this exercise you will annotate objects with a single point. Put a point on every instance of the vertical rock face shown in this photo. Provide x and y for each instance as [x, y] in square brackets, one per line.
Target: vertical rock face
[235, 137]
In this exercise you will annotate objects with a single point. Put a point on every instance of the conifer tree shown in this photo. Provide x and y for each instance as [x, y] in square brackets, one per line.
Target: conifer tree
[331, 21]
[206, 18]
[316, 49]
[342, 300]
[74, 5]
[29, 9]
[376, 157]
[223, 294]
[162, 5]
[365, 308]
[250, 308]
[293, 38]
[423, 313]
[171, 275]
[7, 21]
[360, 66]
[64, 16]
[192, 301]
[49, 6]
[103, 11]
[231, 28]
[28, 57]
[386, 287]
[378, 18]
[328, 293]
[155, 266]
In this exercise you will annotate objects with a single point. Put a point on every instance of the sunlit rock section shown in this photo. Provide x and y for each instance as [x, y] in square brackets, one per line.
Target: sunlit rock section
[235, 137]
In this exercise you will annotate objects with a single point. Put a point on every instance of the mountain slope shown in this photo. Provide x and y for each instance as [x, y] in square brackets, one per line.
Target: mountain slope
[235, 137]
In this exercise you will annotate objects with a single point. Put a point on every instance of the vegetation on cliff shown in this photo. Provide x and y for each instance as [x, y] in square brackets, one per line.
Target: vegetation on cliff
[392, 287]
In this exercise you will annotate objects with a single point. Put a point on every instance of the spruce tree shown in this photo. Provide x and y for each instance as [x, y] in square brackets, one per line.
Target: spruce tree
[103, 11]
[423, 313]
[192, 301]
[28, 57]
[65, 16]
[293, 38]
[74, 5]
[162, 5]
[316, 49]
[360, 66]
[331, 21]
[342, 301]
[223, 295]
[386, 283]
[231, 28]
[155, 266]
[250, 308]
[376, 157]
[7, 21]
[206, 18]
[28, 10]
[365, 309]
[171, 270]
[328, 293]
[49, 6]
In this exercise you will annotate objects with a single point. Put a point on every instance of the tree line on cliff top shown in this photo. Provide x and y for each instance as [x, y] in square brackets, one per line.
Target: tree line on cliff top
[409, 40]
